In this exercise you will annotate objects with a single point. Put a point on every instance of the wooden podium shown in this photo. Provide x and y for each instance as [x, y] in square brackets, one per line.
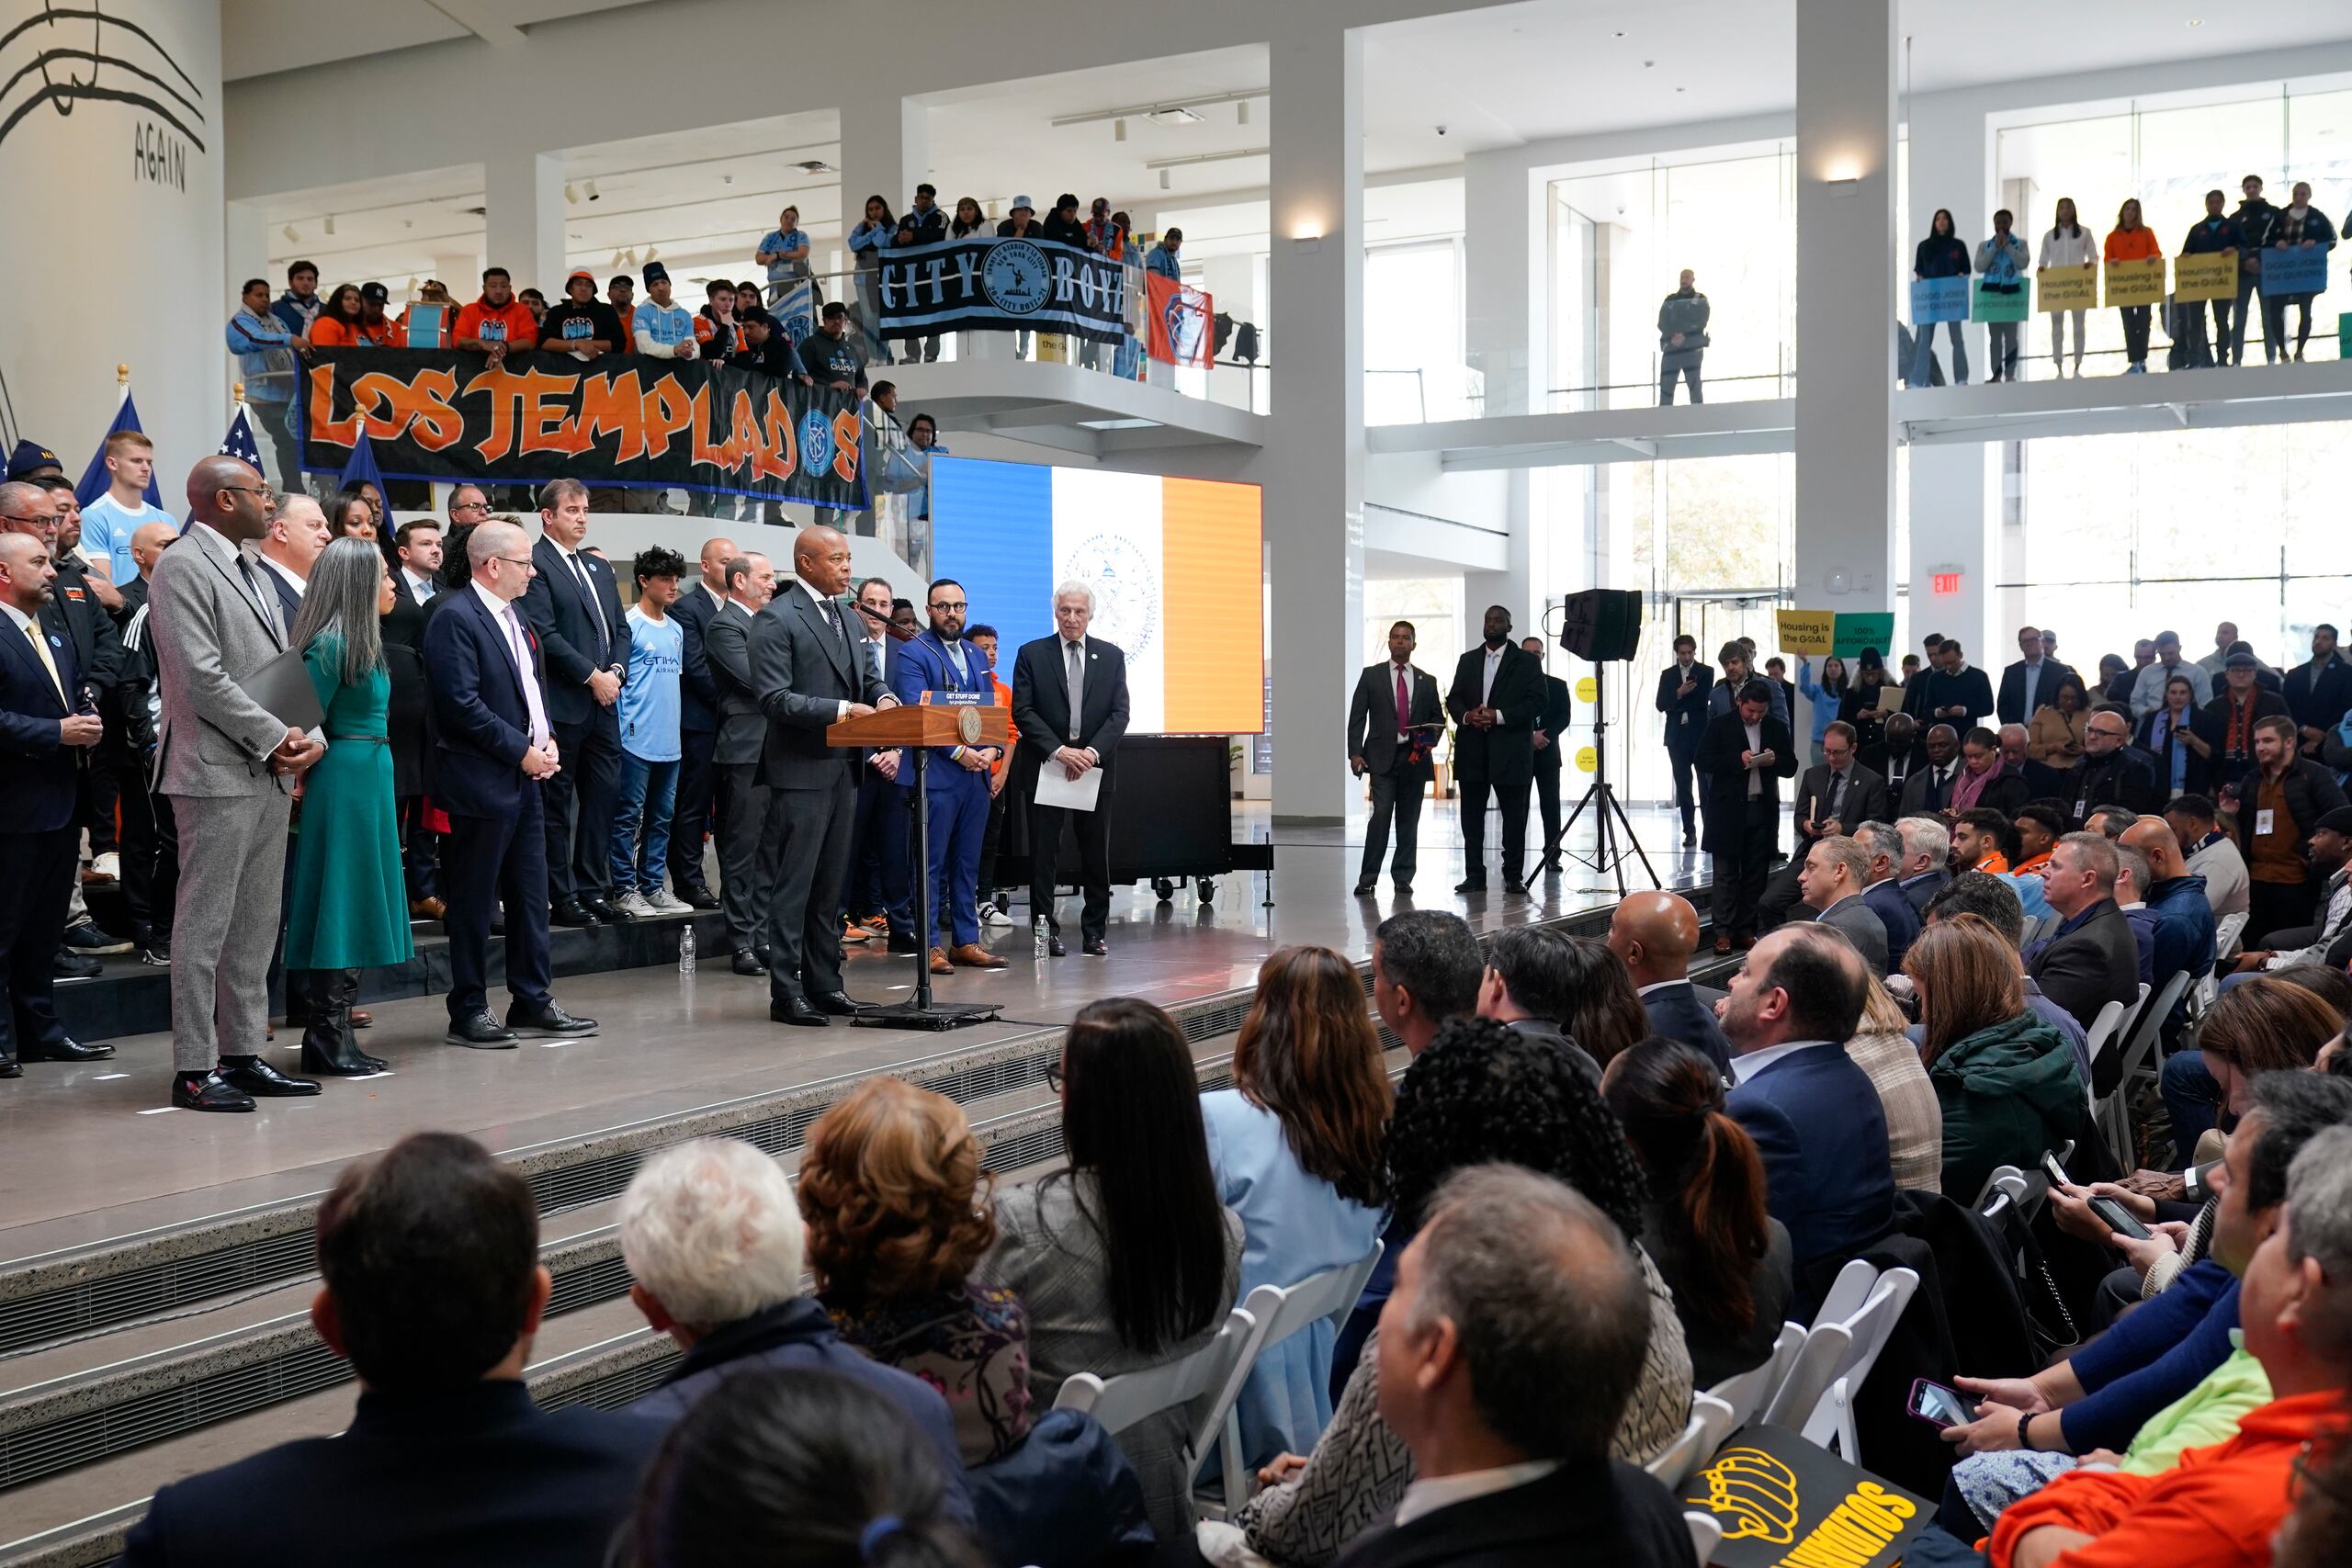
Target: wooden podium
[918, 727]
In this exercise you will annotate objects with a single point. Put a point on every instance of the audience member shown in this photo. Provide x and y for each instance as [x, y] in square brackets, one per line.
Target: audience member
[2111, 822]
[2055, 732]
[1736, 661]
[1836, 870]
[1925, 867]
[1126, 1259]
[2109, 772]
[1982, 840]
[1928, 788]
[1884, 1047]
[1897, 753]
[2211, 854]
[1727, 1261]
[2280, 804]
[1834, 796]
[496, 324]
[2319, 690]
[1655, 934]
[1530, 987]
[2037, 827]
[1958, 694]
[1426, 968]
[268, 355]
[1994, 900]
[2018, 762]
[2032, 683]
[662, 327]
[2330, 849]
[2092, 960]
[690, 824]
[1883, 892]
[1744, 756]
[1296, 1145]
[899, 1217]
[583, 325]
[2148, 685]
[648, 714]
[1981, 782]
[2007, 1086]
[432, 1288]
[2186, 741]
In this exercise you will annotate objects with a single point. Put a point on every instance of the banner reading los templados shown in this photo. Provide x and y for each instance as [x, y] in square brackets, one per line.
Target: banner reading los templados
[622, 420]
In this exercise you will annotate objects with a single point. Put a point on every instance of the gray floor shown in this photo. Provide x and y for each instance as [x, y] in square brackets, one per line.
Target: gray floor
[90, 1152]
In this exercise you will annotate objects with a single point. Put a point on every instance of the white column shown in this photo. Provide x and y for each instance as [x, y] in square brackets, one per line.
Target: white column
[1501, 295]
[524, 193]
[1845, 419]
[1313, 464]
[886, 152]
[1952, 512]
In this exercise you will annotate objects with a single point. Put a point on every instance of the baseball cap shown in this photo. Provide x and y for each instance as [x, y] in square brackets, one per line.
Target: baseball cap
[375, 293]
[29, 458]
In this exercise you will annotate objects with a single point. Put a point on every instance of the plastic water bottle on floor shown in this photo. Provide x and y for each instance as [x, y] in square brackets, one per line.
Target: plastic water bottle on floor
[1037, 930]
[686, 948]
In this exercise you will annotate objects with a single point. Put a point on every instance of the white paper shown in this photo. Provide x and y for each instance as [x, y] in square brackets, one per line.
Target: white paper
[1056, 787]
[2263, 825]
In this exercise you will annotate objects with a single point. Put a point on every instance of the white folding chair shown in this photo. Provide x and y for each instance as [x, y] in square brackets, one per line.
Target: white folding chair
[1707, 1534]
[1746, 1392]
[1847, 1291]
[2143, 1062]
[1835, 1346]
[1204, 1383]
[2100, 1036]
[1276, 1312]
[1832, 1416]
[1708, 1424]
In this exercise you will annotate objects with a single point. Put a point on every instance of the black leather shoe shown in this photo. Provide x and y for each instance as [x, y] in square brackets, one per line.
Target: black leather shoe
[840, 1004]
[548, 1022]
[572, 913]
[64, 1050]
[70, 966]
[602, 908]
[701, 897]
[1364, 890]
[1471, 885]
[8, 1068]
[1513, 885]
[261, 1081]
[904, 942]
[1054, 946]
[760, 951]
[157, 954]
[208, 1091]
[481, 1032]
[790, 1009]
[1095, 947]
[748, 963]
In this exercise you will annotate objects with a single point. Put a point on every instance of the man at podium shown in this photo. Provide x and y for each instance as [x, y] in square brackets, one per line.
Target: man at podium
[808, 677]
[958, 783]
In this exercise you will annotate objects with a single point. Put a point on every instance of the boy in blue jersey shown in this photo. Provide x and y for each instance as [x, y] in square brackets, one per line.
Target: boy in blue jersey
[662, 328]
[649, 749]
[108, 522]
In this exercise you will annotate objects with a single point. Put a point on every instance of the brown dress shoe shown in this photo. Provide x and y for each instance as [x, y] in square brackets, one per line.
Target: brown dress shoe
[939, 965]
[426, 909]
[972, 955]
[1722, 944]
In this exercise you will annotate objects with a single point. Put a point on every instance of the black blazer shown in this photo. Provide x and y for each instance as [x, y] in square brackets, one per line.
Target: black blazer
[74, 613]
[38, 776]
[480, 720]
[2010, 704]
[2119, 778]
[2204, 773]
[2322, 706]
[1592, 1511]
[1919, 792]
[2096, 963]
[1372, 716]
[1719, 752]
[1881, 759]
[483, 1476]
[1676, 1011]
[570, 647]
[1553, 723]
[404, 622]
[697, 691]
[803, 673]
[2042, 781]
[1506, 753]
[1686, 718]
[1041, 705]
[1865, 797]
[742, 727]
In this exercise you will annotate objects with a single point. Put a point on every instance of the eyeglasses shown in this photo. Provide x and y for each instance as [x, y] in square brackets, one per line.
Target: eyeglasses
[34, 522]
[949, 604]
[1055, 1077]
[523, 561]
[469, 506]
[263, 490]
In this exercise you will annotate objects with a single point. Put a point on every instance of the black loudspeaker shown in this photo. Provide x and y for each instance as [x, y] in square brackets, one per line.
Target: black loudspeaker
[1602, 623]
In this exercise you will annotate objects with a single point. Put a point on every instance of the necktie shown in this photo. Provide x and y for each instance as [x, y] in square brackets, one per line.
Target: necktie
[518, 646]
[588, 591]
[1943, 776]
[266, 602]
[40, 650]
[1404, 703]
[1837, 791]
[833, 619]
[1077, 683]
[872, 660]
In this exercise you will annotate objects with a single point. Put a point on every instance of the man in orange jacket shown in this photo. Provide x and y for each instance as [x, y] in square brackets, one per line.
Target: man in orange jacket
[994, 900]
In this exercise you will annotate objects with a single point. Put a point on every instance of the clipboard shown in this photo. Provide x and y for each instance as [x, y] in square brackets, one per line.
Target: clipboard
[1056, 787]
[283, 686]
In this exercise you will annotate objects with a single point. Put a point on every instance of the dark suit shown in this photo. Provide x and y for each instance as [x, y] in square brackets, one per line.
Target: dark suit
[1686, 722]
[577, 638]
[1041, 712]
[1676, 1012]
[1741, 830]
[804, 670]
[1860, 922]
[1501, 760]
[1923, 791]
[742, 800]
[1554, 725]
[2011, 704]
[482, 727]
[403, 627]
[1920, 891]
[41, 836]
[2119, 778]
[2199, 775]
[1893, 905]
[2085, 968]
[1894, 768]
[2318, 704]
[2042, 781]
[1398, 781]
[697, 736]
[479, 1478]
[1821, 1129]
[1862, 799]
[1585, 1511]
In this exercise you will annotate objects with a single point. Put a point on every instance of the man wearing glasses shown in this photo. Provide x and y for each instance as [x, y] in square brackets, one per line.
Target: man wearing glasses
[957, 784]
[2109, 772]
[227, 764]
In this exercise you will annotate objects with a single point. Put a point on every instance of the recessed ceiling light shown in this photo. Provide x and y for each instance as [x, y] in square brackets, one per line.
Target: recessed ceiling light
[2195, 21]
[1179, 115]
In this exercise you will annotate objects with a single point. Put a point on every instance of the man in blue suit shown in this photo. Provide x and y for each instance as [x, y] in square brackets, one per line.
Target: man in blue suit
[1656, 933]
[494, 747]
[574, 608]
[691, 820]
[41, 731]
[1816, 1119]
[959, 781]
[1882, 841]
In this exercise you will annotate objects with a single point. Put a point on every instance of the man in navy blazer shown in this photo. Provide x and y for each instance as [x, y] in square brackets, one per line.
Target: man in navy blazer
[493, 749]
[574, 608]
[1882, 841]
[1656, 933]
[1053, 736]
[691, 820]
[43, 739]
[432, 1288]
[1817, 1120]
[958, 782]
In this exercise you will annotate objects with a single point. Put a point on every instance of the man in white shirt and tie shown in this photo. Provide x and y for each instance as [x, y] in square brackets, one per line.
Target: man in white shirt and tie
[877, 894]
[574, 608]
[419, 546]
[1069, 703]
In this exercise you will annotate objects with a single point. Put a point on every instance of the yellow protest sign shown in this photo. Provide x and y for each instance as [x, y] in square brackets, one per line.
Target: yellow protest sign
[2067, 288]
[1587, 759]
[2213, 276]
[1588, 688]
[1806, 631]
[2135, 282]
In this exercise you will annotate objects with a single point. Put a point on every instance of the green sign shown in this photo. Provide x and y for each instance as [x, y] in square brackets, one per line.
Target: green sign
[1860, 629]
[1998, 305]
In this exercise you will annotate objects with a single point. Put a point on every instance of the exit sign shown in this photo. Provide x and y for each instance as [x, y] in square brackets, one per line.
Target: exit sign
[1945, 582]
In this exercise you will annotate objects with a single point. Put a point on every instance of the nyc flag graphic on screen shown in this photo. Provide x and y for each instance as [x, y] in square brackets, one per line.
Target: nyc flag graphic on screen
[1173, 563]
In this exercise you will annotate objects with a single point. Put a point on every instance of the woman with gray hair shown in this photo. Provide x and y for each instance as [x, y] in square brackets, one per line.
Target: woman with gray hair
[347, 909]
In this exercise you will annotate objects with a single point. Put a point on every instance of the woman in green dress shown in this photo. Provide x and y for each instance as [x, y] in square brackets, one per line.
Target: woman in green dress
[348, 909]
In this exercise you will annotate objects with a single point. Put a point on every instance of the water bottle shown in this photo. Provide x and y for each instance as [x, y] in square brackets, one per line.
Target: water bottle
[686, 948]
[1037, 930]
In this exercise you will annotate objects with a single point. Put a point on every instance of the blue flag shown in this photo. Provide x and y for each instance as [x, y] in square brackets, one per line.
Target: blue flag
[239, 443]
[362, 467]
[96, 480]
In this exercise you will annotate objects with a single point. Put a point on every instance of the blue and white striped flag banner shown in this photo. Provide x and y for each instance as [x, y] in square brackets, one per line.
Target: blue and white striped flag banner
[1009, 285]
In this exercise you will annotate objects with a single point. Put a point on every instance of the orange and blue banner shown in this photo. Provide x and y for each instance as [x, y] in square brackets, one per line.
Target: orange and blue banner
[1179, 326]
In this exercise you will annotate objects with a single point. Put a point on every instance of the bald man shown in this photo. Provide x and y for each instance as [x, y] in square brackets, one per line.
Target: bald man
[227, 765]
[2185, 920]
[1656, 933]
[697, 725]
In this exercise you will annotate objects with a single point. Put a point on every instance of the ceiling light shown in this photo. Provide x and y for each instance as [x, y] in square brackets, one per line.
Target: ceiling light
[291, 232]
[2195, 21]
[1119, 129]
[1164, 182]
[629, 258]
[411, 283]
[592, 191]
[329, 222]
[815, 166]
[570, 192]
[991, 210]
[1241, 112]
[727, 179]
[616, 260]
[652, 251]
[1175, 114]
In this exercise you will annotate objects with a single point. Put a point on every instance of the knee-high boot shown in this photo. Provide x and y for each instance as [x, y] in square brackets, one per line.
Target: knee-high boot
[328, 1047]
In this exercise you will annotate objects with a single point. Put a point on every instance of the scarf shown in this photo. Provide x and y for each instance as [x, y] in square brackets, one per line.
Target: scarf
[2241, 736]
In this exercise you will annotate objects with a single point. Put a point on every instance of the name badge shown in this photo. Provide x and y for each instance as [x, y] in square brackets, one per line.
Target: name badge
[2263, 825]
[2082, 807]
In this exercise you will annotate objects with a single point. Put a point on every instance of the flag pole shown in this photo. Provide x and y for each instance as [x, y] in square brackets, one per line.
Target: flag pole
[121, 382]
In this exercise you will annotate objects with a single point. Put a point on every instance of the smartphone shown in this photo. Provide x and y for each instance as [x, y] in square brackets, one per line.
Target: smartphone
[2051, 1168]
[1941, 1407]
[2120, 1219]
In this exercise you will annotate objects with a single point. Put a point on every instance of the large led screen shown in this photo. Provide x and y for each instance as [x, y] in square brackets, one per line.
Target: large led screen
[1174, 563]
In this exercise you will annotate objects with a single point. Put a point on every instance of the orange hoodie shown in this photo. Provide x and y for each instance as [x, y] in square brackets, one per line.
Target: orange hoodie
[2131, 245]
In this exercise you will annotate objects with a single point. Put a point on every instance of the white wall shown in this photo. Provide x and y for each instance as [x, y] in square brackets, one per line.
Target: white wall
[129, 269]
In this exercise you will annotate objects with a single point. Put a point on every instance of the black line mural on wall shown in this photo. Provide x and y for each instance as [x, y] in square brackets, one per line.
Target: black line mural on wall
[62, 56]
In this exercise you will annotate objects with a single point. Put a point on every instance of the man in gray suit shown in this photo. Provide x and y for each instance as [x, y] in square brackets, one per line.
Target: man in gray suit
[223, 760]
[735, 757]
[809, 678]
[1837, 870]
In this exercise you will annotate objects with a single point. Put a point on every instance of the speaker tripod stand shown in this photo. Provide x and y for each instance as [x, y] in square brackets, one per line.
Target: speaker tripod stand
[1613, 839]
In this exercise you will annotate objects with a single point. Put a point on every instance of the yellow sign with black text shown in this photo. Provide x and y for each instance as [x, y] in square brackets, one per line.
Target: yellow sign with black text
[2211, 276]
[2067, 288]
[1785, 1502]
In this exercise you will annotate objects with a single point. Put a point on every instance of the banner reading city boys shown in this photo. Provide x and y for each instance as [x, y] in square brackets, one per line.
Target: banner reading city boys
[618, 420]
[1005, 284]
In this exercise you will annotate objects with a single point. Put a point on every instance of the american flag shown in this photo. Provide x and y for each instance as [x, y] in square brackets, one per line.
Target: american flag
[239, 442]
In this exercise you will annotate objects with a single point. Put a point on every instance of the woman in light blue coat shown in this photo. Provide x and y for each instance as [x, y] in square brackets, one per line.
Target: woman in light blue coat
[1828, 696]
